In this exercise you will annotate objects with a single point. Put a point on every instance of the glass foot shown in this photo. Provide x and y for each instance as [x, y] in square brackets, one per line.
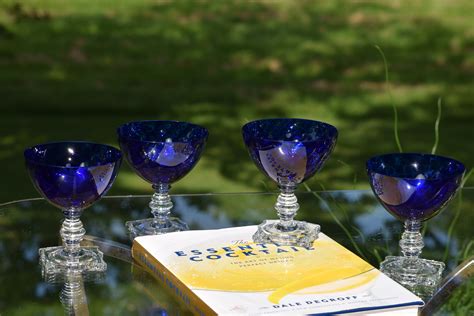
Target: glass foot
[148, 226]
[303, 235]
[63, 277]
[421, 276]
[55, 260]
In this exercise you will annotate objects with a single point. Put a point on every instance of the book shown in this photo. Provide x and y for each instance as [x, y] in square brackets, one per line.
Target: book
[221, 272]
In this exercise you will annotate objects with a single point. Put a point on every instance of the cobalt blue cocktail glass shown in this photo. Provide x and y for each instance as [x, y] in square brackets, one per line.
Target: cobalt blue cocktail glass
[72, 176]
[288, 151]
[414, 187]
[161, 152]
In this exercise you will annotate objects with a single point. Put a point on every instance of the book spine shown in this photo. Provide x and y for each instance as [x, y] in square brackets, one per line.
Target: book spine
[170, 281]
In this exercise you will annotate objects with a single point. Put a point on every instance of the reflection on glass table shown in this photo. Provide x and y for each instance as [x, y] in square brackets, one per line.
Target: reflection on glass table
[73, 294]
[353, 218]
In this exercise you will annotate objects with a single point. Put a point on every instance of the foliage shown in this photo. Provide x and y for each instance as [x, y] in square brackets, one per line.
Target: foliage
[76, 70]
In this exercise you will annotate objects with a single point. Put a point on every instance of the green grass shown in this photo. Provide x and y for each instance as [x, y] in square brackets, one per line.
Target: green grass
[76, 70]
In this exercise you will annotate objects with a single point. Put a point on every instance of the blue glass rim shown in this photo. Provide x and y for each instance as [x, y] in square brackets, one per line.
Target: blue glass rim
[249, 125]
[120, 133]
[31, 157]
[372, 166]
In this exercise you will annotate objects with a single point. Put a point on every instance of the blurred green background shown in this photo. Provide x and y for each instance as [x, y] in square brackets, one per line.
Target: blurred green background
[78, 69]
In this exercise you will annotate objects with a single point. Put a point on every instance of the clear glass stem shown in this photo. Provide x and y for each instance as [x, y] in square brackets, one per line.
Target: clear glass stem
[161, 206]
[286, 207]
[72, 232]
[411, 243]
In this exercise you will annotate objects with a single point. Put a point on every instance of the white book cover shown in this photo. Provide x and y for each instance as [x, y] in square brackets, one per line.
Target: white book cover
[223, 272]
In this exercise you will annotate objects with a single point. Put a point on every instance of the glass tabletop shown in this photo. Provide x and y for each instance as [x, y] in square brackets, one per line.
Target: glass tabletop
[353, 218]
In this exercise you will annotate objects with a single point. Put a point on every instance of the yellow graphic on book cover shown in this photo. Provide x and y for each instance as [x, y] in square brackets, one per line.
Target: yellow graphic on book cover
[248, 267]
[223, 271]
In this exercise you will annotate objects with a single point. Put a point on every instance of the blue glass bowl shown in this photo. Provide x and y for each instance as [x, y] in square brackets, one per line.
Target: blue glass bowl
[414, 186]
[162, 151]
[72, 174]
[289, 151]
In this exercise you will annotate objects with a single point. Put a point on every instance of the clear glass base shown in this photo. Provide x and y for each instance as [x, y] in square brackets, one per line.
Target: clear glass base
[149, 226]
[55, 260]
[421, 276]
[303, 234]
[63, 277]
